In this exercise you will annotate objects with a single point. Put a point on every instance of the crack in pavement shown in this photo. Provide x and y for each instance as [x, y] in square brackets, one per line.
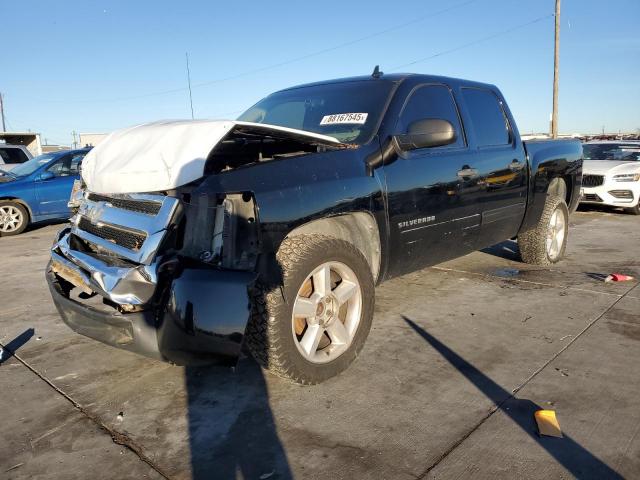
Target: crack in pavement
[497, 407]
[117, 437]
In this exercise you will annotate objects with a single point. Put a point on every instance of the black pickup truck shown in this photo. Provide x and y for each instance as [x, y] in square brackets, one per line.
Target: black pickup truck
[192, 239]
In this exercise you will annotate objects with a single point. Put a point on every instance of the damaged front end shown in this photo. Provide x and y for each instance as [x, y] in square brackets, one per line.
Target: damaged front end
[166, 276]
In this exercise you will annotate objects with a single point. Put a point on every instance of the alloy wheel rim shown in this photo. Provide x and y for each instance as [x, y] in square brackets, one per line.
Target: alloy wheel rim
[10, 218]
[327, 312]
[556, 233]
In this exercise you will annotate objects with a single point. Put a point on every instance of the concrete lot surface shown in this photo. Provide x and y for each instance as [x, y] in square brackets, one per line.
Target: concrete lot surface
[459, 358]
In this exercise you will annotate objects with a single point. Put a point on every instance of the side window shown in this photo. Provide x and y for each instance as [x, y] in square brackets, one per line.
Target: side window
[62, 167]
[432, 101]
[76, 161]
[487, 116]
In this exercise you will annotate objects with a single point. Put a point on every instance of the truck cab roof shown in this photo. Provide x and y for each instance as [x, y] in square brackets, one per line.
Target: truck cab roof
[397, 78]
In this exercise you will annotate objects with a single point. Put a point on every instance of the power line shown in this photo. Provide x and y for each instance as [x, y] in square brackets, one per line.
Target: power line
[283, 63]
[475, 42]
[336, 47]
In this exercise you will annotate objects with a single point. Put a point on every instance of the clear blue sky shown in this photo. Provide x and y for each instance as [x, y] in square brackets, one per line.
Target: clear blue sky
[90, 65]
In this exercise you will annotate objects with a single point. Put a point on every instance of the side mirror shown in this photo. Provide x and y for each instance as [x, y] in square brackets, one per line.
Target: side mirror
[430, 132]
[46, 175]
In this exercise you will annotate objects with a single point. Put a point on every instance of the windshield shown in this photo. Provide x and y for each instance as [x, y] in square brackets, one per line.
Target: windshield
[27, 168]
[348, 111]
[619, 152]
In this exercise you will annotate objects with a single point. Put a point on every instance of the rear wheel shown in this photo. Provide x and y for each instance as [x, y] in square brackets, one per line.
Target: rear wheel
[314, 327]
[14, 218]
[547, 241]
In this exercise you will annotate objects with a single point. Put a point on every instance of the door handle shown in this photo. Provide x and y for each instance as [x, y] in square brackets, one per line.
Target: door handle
[515, 165]
[467, 171]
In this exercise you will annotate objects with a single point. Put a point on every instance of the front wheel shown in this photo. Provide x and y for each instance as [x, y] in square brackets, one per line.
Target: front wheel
[314, 327]
[634, 210]
[546, 243]
[14, 218]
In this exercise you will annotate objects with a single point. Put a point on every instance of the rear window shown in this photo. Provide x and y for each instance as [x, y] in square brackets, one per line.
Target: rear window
[487, 117]
[13, 155]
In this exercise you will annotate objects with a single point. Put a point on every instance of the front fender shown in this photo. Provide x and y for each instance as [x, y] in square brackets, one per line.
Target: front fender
[206, 315]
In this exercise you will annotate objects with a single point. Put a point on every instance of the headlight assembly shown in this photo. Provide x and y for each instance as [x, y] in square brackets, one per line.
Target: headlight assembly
[627, 177]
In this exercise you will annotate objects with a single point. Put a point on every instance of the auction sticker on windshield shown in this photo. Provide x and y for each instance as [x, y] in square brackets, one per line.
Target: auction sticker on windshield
[354, 118]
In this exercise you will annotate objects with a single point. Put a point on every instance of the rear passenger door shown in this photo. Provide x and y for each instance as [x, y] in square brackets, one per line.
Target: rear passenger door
[500, 161]
[431, 192]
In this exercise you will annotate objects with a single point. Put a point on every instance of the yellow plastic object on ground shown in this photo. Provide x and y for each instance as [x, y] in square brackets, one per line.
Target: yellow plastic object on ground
[548, 423]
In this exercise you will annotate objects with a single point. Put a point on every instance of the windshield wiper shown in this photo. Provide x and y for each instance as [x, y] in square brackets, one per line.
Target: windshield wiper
[7, 172]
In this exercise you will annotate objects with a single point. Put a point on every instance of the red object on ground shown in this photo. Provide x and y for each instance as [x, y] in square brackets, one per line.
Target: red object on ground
[618, 277]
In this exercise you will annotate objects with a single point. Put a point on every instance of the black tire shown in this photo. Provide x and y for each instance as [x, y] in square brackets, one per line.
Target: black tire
[533, 242]
[633, 210]
[269, 335]
[23, 215]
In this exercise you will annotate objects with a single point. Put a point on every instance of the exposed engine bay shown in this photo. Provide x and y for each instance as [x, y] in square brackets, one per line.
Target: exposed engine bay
[241, 148]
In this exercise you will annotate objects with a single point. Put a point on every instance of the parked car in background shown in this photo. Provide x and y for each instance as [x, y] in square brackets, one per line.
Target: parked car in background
[38, 190]
[612, 174]
[13, 155]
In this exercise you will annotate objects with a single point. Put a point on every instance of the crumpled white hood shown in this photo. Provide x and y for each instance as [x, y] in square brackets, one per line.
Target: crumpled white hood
[165, 155]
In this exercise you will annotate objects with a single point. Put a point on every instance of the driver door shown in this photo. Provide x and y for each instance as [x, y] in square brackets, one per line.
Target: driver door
[53, 193]
[432, 192]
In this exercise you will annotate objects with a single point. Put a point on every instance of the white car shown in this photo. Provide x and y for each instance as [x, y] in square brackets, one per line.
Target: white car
[13, 155]
[611, 174]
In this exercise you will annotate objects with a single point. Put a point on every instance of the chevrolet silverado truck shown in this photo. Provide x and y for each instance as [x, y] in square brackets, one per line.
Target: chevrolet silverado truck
[194, 239]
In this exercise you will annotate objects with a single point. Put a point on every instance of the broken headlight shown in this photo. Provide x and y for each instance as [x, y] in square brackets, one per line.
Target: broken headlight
[77, 194]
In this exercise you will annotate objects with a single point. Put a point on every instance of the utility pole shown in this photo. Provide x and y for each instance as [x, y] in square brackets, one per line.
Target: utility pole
[189, 81]
[4, 128]
[75, 143]
[556, 73]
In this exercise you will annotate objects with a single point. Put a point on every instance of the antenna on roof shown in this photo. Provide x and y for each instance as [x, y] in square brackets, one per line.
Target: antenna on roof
[376, 72]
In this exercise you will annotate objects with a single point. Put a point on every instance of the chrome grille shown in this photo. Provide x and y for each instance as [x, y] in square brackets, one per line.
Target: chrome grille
[592, 180]
[150, 207]
[125, 237]
[124, 224]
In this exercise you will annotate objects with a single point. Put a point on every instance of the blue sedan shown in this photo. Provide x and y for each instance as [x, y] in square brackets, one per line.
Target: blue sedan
[38, 190]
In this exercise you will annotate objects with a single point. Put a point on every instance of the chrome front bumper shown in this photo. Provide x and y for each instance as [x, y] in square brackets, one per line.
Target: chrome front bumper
[125, 233]
[126, 286]
[169, 308]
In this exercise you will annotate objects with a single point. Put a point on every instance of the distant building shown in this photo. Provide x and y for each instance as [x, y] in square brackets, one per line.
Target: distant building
[28, 139]
[91, 139]
[49, 148]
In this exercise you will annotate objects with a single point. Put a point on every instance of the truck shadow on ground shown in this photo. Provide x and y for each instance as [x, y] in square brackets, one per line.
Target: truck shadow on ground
[8, 350]
[232, 432]
[508, 250]
[567, 452]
